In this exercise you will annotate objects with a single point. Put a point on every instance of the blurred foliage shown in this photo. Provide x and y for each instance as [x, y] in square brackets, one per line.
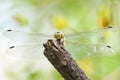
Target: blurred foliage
[21, 19]
[26, 73]
[104, 16]
[99, 67]
[87, 65]
[56, 75]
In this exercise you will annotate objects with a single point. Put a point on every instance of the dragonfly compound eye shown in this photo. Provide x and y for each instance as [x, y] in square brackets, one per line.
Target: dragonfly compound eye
[58, 35]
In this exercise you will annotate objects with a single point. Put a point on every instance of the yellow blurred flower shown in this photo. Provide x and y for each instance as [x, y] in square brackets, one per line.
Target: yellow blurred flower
[104, 16]
[21, 19]
[87, 65]
[59, 22]
[104, 21]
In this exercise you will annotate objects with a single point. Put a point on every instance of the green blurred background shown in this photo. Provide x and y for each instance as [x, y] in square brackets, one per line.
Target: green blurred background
[69, 16]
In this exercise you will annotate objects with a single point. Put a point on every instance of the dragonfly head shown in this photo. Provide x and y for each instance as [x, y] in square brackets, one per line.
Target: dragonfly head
[59, 35]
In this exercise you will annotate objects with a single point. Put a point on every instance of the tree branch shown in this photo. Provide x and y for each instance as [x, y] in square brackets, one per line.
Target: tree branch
[63, 62]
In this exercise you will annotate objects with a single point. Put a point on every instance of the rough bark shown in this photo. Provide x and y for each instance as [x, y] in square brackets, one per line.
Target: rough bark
[63, 62]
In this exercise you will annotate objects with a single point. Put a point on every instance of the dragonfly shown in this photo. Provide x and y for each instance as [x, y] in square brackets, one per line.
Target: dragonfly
[75, 43]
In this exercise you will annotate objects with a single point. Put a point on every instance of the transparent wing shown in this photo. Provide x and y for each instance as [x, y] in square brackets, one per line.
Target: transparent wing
[32, 51]
[25, 37]
[87, 36]
[79, 50]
